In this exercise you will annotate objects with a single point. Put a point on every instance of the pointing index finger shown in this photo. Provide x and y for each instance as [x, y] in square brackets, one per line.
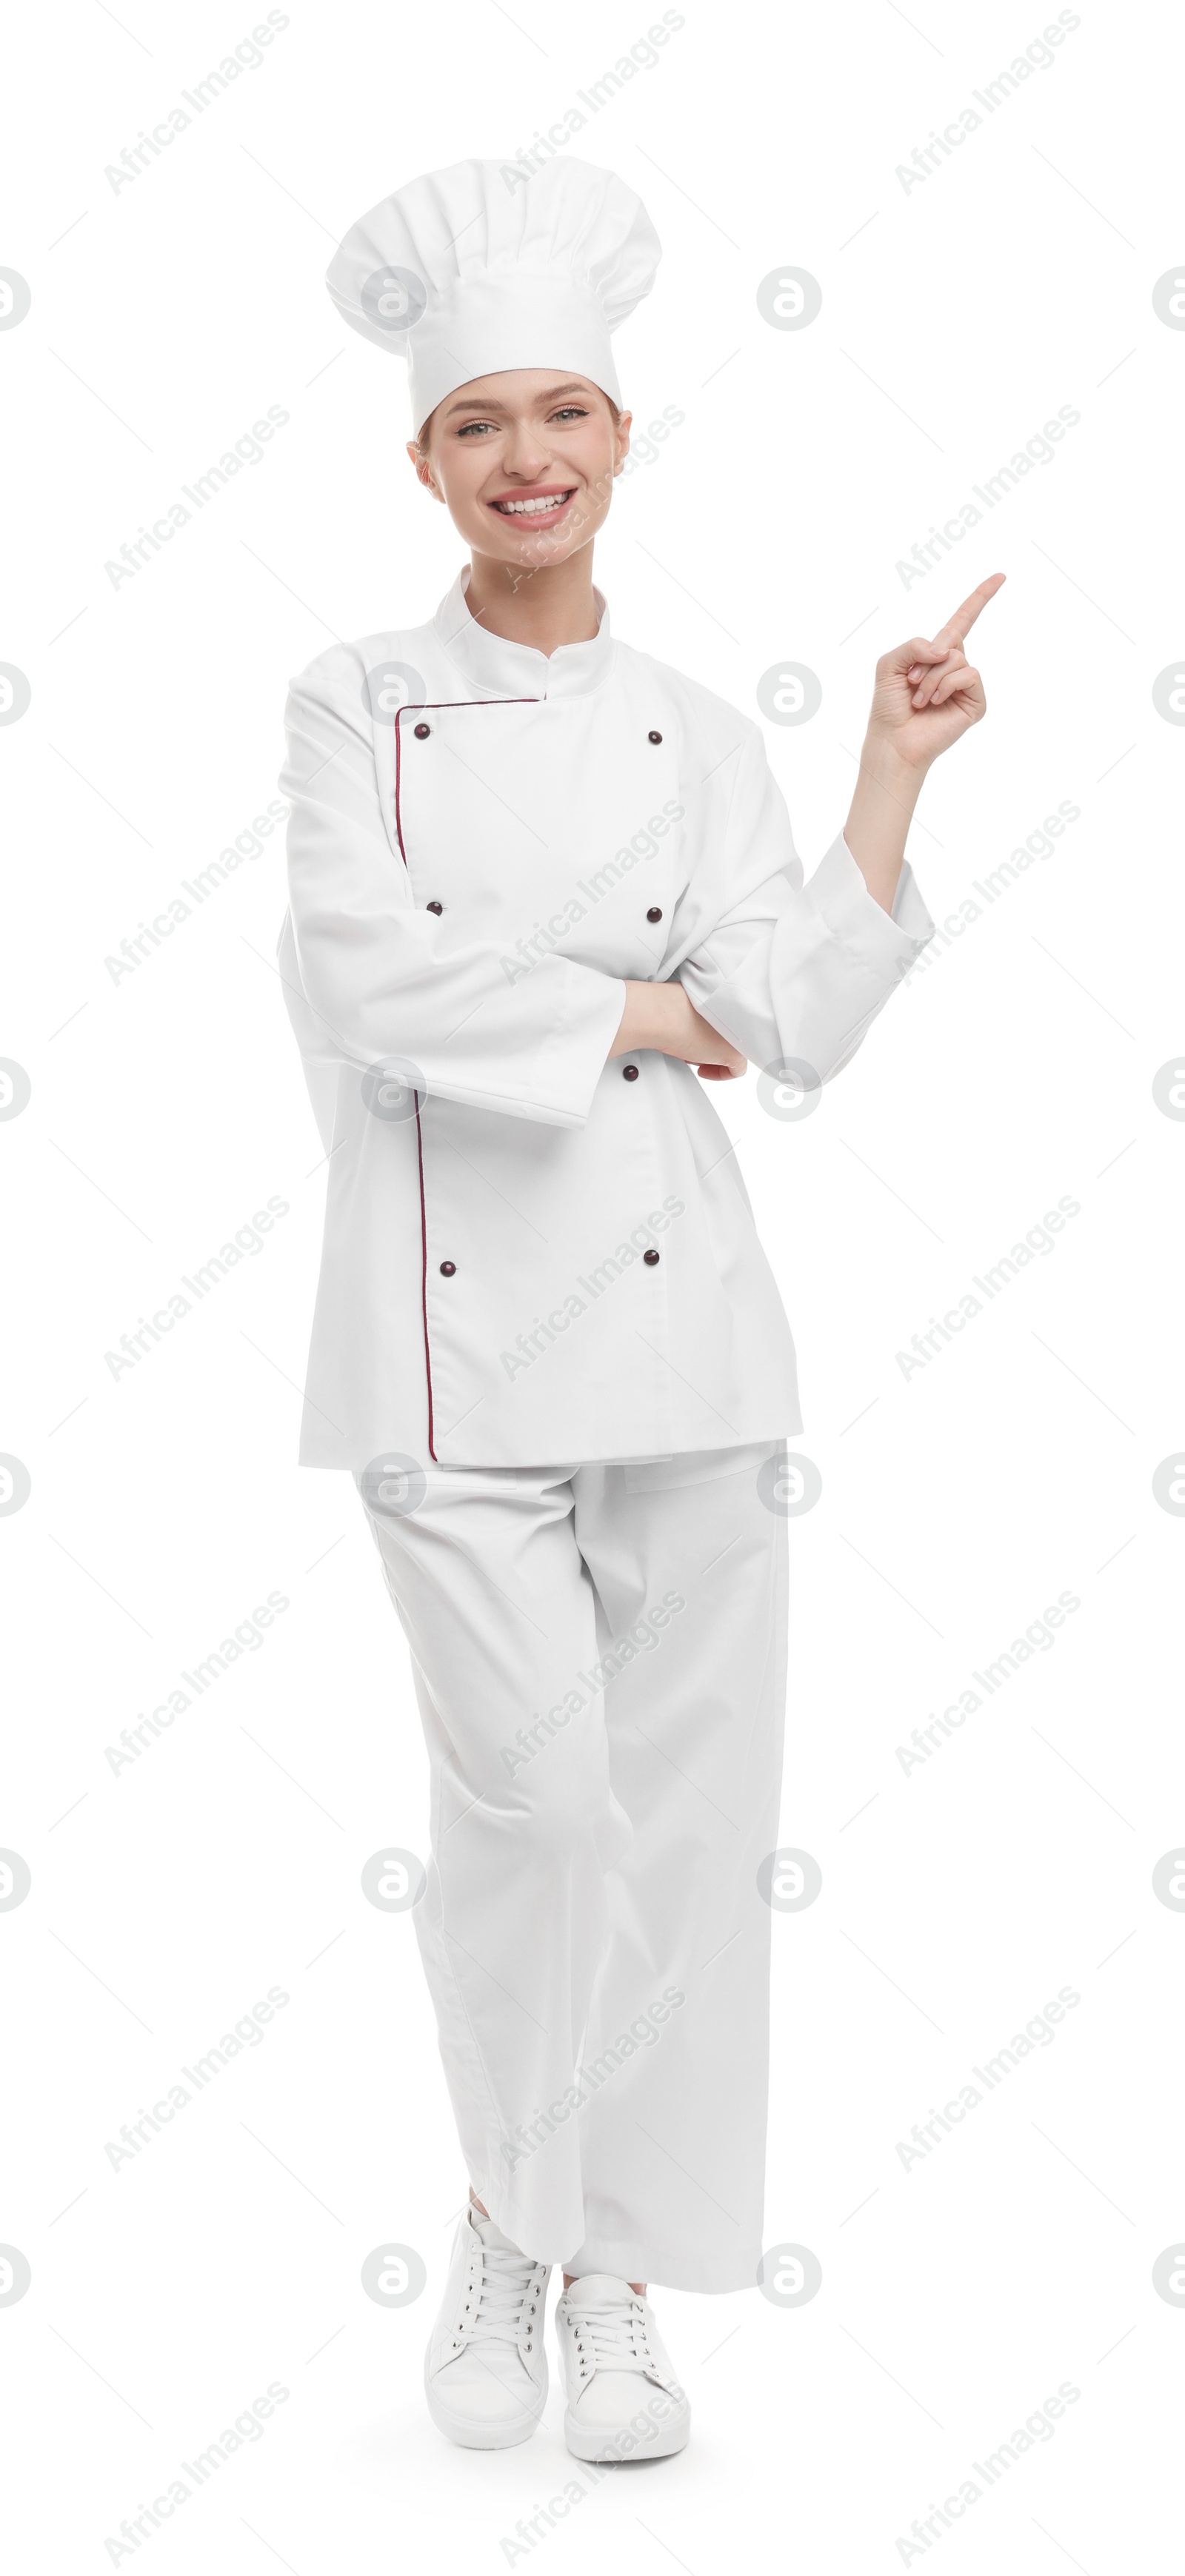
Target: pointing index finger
[959, 626]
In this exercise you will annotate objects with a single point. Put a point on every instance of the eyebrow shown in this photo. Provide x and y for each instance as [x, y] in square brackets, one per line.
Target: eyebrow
[552, 395]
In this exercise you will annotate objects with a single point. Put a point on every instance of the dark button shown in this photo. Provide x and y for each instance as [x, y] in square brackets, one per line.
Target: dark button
[448, 1269]
[650, 1258]
[651, 737]
[629, 1073]
[654, 914]
[422, 732]
[436, 907]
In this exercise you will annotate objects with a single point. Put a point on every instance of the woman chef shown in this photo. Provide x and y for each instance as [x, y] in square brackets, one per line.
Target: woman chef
[537, 881]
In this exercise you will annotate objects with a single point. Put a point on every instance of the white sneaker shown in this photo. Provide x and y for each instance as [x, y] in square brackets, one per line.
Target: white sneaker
[485, 2370]
[624, 2401]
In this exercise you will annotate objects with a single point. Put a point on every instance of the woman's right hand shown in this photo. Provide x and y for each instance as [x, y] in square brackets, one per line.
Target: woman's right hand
[661, 1016]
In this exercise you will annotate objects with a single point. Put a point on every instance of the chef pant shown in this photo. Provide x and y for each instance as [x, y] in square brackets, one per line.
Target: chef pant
[600, 1663]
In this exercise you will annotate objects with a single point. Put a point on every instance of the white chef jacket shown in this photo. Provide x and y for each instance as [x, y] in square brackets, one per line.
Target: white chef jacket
[531, 1252]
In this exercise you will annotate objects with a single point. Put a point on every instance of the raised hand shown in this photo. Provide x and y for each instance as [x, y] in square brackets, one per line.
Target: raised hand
[927, 694]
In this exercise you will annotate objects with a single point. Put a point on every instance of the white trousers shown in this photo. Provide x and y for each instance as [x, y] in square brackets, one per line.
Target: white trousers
[600, 1663]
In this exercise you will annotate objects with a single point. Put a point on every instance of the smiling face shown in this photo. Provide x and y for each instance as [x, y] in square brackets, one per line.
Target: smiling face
[524, 462]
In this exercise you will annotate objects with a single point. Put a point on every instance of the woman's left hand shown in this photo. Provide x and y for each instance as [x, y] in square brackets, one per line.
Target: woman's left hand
[926, 694]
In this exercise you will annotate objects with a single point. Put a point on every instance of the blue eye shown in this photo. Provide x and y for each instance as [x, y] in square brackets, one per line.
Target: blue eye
[566, 411]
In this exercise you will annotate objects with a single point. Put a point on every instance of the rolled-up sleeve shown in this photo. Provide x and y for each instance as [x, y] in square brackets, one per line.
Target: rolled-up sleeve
[787, 969]
[370, 979]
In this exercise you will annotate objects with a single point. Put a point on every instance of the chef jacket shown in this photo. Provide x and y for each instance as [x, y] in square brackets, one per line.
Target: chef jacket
[533, 1252]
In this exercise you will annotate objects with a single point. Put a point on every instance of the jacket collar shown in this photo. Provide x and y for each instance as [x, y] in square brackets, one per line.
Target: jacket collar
[507, 670]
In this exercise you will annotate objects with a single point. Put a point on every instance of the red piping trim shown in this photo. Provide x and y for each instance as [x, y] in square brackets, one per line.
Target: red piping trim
[424, 1279]
[431, 702]
[398, 764]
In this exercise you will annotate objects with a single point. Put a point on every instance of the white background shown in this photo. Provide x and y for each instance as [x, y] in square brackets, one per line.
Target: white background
[958, 315]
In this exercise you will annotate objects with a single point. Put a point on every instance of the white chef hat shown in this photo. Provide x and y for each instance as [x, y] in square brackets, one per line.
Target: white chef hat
[487, 266]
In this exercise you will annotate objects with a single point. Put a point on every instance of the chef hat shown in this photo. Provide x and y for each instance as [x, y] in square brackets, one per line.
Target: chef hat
[486, 266]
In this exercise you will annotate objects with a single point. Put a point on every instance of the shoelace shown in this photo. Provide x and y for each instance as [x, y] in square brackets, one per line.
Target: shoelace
[505, 2283]
[616, 2336]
